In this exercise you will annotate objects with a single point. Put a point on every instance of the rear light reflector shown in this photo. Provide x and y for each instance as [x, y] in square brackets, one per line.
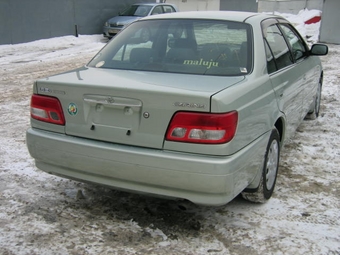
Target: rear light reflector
[47, 109]
[205, 128]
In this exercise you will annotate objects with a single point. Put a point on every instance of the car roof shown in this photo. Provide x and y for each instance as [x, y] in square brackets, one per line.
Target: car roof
[214, 15]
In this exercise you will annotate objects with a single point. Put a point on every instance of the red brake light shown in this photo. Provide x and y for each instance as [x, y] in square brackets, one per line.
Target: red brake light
[206, 128]
[47, 109]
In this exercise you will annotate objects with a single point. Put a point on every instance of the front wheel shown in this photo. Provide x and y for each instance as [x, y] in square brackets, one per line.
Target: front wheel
[269, 172]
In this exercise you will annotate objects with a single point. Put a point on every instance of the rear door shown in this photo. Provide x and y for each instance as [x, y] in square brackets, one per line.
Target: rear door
[304, 65]
[287, 83]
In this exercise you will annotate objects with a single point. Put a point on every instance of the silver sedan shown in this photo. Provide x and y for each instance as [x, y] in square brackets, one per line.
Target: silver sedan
[192, 106]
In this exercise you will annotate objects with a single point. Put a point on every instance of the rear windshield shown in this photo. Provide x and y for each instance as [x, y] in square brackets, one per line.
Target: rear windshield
[180, 46]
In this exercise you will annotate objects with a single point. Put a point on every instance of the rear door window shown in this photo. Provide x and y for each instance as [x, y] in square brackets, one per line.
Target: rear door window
[278, 48]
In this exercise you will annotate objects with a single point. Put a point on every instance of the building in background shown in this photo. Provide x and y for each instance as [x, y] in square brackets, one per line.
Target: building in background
[329, 30]
[288, 6]
[29, 20]
[196, 5]
[210, 5]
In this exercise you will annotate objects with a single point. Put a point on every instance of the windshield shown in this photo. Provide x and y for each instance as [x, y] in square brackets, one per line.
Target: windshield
[180, 46]
[136, 10]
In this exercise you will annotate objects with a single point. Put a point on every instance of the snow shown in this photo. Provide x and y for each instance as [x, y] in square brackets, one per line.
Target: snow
[44, 214]
[311, 31]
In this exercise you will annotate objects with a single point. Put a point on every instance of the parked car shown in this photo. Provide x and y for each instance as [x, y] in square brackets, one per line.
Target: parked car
[133, 13]
[193, 106]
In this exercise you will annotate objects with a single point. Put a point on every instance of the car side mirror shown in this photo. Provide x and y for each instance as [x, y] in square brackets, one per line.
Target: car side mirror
[319, 50]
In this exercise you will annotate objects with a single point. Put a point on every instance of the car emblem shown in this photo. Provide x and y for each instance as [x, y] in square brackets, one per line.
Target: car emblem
[72, 109]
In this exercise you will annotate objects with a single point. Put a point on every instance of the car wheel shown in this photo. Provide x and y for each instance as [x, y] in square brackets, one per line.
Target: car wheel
[269, 172]
[315, 112]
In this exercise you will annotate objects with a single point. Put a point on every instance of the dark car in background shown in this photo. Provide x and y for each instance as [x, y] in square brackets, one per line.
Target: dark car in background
[134, 12]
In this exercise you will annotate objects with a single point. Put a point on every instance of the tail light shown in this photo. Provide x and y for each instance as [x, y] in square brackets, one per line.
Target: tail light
[47, 109]
[205, 128]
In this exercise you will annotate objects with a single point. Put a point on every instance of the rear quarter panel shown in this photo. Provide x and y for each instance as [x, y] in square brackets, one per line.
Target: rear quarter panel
[255, 101]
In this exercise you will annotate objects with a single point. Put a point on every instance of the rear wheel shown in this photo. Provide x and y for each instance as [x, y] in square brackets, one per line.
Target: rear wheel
[269, 172]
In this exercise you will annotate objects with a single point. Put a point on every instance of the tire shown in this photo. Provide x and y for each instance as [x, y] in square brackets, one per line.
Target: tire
[269, 172]
[314, 114]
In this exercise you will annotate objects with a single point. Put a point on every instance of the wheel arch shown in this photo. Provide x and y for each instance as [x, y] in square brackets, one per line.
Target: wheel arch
[280, 126]
[257, 190]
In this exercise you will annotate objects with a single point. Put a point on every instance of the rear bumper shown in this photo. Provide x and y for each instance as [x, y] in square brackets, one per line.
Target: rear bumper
[202, 179]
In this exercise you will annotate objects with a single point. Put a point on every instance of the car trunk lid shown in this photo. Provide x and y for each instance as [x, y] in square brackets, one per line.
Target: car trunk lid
[128, 107]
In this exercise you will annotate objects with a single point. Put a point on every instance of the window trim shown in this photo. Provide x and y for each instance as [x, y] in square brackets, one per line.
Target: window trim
[265, 24]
